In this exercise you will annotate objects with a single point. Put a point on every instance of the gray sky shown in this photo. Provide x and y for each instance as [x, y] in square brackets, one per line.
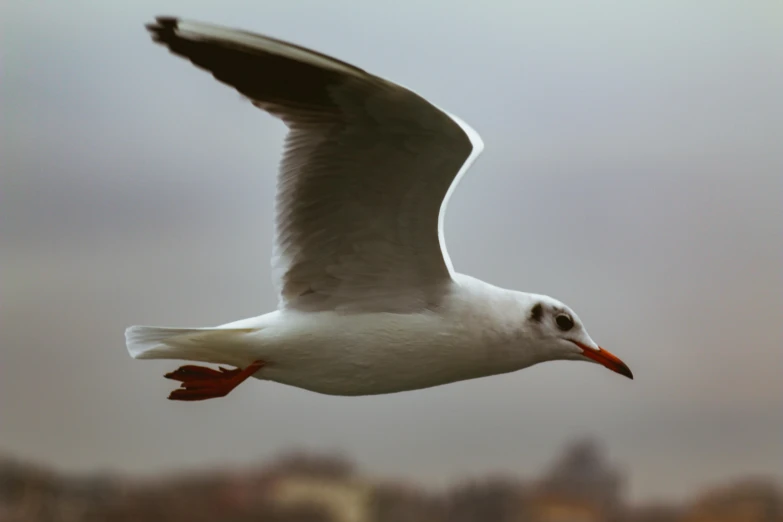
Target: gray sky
[632, 169]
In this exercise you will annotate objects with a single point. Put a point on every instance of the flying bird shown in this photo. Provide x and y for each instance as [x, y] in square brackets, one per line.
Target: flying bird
[369, 302]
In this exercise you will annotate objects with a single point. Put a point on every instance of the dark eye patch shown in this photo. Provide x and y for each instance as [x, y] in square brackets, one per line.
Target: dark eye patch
[537, 313]
[564, 322]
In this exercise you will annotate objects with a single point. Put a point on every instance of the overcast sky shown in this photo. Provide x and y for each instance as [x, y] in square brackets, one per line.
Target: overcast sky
[633, 168]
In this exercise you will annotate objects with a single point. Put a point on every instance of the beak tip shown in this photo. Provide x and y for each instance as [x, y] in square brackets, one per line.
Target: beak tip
[606, 359]
[623, 369]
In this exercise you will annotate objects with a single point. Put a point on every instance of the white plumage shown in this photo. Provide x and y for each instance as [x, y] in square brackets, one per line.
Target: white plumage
[369, 301]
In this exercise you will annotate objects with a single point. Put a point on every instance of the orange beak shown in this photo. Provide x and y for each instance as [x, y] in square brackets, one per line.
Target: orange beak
[606, 359]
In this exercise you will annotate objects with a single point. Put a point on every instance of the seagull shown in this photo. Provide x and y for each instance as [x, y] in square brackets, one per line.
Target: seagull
[368, 300]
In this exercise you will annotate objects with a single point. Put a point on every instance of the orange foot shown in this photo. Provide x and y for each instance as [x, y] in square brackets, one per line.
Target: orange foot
[200, 383]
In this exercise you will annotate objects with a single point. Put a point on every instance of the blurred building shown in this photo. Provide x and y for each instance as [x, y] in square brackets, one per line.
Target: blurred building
[581, 486]
[745, 501]
[584, 473]
[564, 508]
[497, 498]
[343, 500]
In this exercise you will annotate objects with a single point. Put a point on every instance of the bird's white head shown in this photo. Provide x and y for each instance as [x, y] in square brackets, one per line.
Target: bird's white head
[558, 334]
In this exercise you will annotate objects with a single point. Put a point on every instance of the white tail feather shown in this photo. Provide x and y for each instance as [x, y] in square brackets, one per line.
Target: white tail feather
[212, 345]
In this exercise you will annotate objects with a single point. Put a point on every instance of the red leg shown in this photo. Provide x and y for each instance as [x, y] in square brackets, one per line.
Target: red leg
[200, 383]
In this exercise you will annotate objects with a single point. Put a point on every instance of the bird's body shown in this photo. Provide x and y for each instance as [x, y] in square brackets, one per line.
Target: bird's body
[475, 332]
[369, 302]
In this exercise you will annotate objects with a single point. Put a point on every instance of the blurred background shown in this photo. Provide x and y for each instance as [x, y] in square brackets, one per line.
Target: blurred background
[633, 168]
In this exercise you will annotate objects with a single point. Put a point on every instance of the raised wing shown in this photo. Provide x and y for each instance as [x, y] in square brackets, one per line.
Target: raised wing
[367, 167]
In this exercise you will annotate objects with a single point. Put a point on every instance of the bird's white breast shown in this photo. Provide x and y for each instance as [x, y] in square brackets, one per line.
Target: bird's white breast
[373, 353]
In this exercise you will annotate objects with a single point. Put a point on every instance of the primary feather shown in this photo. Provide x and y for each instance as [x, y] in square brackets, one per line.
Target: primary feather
[366, 167]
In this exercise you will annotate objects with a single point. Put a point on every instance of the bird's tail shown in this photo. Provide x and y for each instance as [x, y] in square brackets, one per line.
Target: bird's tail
[211, 345]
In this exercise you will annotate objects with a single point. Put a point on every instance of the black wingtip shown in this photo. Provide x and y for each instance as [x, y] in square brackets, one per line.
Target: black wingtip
[167, 20]
[163, 25]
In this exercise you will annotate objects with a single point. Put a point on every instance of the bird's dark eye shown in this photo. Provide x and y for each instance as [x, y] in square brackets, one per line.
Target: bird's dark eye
[564, 322]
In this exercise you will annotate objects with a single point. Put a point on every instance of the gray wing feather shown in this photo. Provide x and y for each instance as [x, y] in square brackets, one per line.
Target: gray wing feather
[366, 166]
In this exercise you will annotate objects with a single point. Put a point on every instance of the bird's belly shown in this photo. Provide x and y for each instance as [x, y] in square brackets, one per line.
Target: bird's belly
[360, 376]
[369, 355]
